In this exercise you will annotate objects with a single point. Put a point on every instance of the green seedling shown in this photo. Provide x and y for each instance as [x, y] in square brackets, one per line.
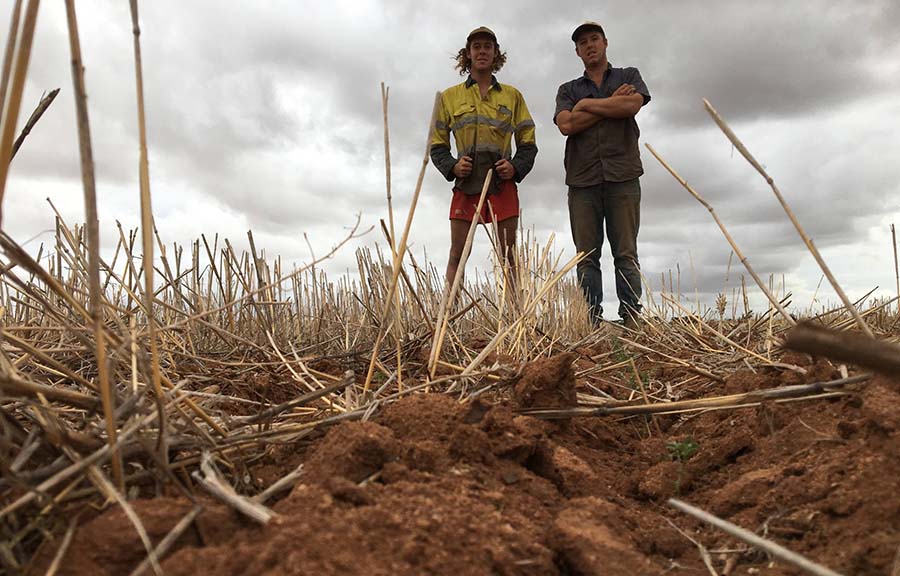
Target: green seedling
[681, 451]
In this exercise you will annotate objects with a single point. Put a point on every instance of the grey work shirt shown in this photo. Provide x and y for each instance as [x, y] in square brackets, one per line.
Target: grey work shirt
[608, 150]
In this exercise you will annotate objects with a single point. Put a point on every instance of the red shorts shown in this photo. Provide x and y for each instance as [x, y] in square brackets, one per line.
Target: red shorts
[500, 206]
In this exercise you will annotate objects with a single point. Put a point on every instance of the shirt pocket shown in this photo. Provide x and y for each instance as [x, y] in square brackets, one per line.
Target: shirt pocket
[502, 126]
[463, 113]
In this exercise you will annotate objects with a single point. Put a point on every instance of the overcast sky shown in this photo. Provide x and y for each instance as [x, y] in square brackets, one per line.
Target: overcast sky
[267, 116]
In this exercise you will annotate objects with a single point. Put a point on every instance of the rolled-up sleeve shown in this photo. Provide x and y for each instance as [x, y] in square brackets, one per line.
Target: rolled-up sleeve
[633, 77]
[564, 100]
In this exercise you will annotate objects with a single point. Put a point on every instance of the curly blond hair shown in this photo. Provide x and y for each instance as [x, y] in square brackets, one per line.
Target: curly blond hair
[464, 63]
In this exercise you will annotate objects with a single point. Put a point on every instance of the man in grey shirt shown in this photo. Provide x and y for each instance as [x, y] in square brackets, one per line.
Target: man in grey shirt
[603, 164]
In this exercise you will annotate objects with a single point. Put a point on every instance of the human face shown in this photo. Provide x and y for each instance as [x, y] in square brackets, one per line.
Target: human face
[481, 53]
[591, 48]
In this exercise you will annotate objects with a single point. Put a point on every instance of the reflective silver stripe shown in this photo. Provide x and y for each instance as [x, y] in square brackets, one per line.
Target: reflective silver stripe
[462, 123]
[441, 125]
[478, 119]
[502, 124]
[484, 147]
[525, 124]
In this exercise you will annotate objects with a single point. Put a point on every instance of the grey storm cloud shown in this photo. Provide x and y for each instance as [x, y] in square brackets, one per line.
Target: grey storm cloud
[759, 59]
[268, 116]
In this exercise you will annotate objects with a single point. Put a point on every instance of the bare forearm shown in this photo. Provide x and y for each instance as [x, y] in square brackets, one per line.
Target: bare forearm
[575, 121]
[612, 107]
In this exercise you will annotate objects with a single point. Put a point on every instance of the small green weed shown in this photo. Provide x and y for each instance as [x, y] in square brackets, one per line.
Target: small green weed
[682, 450]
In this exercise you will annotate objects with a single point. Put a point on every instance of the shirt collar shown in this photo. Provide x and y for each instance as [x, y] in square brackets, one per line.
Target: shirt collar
[605, 73]
[494, 83]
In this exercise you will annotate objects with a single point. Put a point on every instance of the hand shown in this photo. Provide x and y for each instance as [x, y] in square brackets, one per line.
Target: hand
[463, 167]
[504, 169]
[624, 90]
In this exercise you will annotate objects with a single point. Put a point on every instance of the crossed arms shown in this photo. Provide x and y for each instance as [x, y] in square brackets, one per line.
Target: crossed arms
[624, 102]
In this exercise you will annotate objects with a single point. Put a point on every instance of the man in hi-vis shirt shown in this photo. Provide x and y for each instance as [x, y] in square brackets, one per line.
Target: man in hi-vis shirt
[483, 116]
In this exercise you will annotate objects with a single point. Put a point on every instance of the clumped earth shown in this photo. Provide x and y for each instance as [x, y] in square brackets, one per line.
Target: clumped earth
[432, 486]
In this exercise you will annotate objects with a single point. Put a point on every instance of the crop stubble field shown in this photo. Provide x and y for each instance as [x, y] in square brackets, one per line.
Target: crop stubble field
[248, 417]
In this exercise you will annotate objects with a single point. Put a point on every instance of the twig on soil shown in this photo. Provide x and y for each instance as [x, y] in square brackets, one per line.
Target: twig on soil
[301, 401]
[729, 401]
[111, 493]
[730, 565]
[845, 347]
[79, 465]
[679, 361]
[754, 540]
[822, 436]
[166, 544]
[213, 484]
[63, 548]
[704, 553]
[282, 483]
[11, 385]
[640, 382]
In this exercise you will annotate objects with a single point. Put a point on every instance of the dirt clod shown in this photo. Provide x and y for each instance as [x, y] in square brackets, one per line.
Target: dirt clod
[547, 383]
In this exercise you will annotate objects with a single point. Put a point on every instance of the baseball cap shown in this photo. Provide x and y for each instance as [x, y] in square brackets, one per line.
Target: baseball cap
[482, 30]
[587, 26]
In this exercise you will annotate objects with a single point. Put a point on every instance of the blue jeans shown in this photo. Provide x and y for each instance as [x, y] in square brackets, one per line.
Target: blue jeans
[618, 205]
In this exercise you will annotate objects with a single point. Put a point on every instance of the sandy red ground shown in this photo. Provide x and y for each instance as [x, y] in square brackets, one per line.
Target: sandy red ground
[430, 486]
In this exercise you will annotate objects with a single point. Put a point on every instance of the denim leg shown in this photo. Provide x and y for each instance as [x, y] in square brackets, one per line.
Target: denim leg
[622, 206]
[586, 219]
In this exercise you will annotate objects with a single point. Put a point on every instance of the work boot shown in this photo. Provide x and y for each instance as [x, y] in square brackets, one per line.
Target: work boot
[632, 322]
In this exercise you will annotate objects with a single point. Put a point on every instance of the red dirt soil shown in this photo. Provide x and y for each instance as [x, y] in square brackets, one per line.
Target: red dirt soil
[432, 486]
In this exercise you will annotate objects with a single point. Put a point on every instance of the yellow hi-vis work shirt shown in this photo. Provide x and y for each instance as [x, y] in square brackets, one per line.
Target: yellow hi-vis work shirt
[483, 127]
